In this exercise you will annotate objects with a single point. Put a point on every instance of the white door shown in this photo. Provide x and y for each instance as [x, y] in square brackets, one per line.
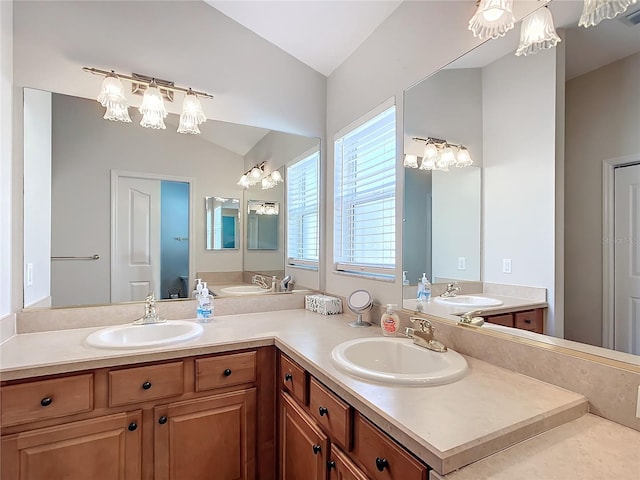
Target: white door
[136, 251]
[627, 259]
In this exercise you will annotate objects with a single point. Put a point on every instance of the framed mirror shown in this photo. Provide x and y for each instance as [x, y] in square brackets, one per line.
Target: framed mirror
[222, 223]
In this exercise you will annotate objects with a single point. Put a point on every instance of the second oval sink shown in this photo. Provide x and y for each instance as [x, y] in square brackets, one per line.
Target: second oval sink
[469, 301]
[398, 361]
[244, 290]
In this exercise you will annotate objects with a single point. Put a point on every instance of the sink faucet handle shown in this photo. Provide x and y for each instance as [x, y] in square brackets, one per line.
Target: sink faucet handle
[425, 325]
[472, 318]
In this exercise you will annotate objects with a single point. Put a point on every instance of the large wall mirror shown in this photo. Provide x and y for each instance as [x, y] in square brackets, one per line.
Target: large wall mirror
[114, 210]
[546, 133]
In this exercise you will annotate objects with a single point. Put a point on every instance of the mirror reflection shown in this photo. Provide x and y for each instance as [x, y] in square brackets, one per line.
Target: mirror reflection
[262, 224]
[552, 133]
[92, 169]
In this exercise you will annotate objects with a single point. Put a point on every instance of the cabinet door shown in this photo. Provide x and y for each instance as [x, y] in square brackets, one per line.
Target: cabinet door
[303, 446]
[341, 467]
[104, 448]
[212, 438]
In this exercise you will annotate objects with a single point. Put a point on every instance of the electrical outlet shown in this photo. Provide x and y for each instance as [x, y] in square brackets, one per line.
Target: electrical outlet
[506, 265]
[638, 403]
[462, 263]
[28, 277]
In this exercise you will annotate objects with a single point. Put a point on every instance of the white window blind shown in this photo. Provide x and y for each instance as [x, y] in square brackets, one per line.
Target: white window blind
[365, 179]
[303, 211]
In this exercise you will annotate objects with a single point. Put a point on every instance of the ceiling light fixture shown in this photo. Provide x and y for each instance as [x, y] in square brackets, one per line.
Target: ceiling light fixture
[440, 155]
[594, 11]
[493, 19]
[537, 32]
[153, 110]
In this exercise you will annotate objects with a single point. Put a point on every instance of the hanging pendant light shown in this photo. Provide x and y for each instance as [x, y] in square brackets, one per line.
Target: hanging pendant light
[493, 19]
[410, 161]
[537, 33]
[152, 108]
[112, 97]
[192, 114]
[594, 11]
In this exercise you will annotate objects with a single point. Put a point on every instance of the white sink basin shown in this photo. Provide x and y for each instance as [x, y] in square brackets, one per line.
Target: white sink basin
[398, 361]
[468, 301]
[145, 336]
[244, 290]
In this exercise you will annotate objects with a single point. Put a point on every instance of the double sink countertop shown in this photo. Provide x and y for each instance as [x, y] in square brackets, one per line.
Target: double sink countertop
[447, 426]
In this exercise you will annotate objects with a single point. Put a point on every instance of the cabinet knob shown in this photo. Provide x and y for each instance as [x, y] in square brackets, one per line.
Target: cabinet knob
[133, 426]
[316, 449]
[146, 385]
[331, 464]
[46, 401]
[162, 420]
[323, 411]
[528, 321]
[381, 463]
[227, 372]
[288, 377]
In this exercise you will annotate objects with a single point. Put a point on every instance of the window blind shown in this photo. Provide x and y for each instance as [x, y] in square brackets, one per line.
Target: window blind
[303, 211]
[364, 228]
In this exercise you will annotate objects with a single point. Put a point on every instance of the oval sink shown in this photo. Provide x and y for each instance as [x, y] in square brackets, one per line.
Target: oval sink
[398, 361]
[145, 336]
[469, 301]
[243, 290]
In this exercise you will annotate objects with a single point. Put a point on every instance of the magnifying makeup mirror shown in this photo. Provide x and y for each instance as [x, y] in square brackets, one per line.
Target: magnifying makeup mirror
[359, 302]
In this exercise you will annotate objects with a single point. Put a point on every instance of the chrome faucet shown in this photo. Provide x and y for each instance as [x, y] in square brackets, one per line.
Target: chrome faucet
[260, 281]
[424, 336]
[150, 312]
[452, 290]
[471, 318]
[285, 283]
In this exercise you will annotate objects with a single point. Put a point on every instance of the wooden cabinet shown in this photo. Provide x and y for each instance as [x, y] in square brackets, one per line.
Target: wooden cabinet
[293, 378]
[211, 438]
[342, 468]
[104, 448]
[303, 446]
[531, 320]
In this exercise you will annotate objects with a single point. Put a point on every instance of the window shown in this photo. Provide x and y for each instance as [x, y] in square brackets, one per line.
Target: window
[303, 211]
[365, 207]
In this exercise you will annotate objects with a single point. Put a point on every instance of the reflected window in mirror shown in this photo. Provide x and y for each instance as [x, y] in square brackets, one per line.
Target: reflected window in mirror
[365, 180]
[262, 224]
[303, 209]
[222, 223]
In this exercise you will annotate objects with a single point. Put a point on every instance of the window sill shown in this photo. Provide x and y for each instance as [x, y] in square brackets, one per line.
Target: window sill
[368, 276]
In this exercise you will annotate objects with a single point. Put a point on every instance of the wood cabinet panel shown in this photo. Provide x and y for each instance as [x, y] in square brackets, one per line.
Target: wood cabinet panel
[103, 448]
[141, 384]
[225, 371]
[42, 399]
[331, 413]
[341, 467]
[294, 379]
[531, 320]
[212, 438]
[505, 320]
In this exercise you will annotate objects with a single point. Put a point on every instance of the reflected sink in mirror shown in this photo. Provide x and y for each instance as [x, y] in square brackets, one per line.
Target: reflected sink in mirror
[145, 336]
[468, 301]
[243, 290]
[397, 361]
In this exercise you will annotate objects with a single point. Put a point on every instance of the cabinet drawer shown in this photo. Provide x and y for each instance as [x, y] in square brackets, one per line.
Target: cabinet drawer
[140, 384]
[294, 378]
[381, 457]
[27, 402]
[341, 467]
[531, 320]
[506, 319]
[225, 370]
[331, 413]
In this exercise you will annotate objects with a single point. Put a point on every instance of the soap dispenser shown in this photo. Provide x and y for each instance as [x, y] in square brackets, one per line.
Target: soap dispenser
[390, 322]
[204, 310]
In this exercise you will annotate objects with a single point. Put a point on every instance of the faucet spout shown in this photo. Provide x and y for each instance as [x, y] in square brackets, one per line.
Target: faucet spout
[424, 336]
[472, 318]
[150, 313]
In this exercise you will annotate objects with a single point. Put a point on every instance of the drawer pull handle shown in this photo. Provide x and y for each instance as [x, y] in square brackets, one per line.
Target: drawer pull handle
[46, 401]
[162, 420]
[316, 449]
[331, 464]
[528, 321]
[288, 377]
[323, 411]
[381, 463]
[146, 385]
[227, 372]
[133, 426]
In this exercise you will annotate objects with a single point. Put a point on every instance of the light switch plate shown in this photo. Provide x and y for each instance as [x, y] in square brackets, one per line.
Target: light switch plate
[638, 403]
[28, 275]
[462, 263]
[506, 265]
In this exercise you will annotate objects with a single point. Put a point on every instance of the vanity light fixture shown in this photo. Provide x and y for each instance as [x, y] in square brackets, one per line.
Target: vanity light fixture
[153, 110]
[410, 161]
[537, 33]
[266, 208]
[440, 154]
[271, 180]
[493, 19]
[594, 11]
[252, 176]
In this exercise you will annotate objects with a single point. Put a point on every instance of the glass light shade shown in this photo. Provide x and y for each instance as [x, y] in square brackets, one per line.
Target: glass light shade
[493, 19]
[537, 33]
[117, 112]
[267, 183]
[192, 114]
[255, 174]
[430, 151]
[463, 158]
[594, 11]
[111, 91]
[428, 163]
[276, 176]
[447, 158]
[152, 108]
[410, 161]
[243, 182]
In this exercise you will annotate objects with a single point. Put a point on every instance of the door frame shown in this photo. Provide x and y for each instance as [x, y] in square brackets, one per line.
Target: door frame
[115, 176]
[608, 245]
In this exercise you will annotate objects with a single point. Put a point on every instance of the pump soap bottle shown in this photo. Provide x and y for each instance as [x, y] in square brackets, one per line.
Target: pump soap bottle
[205, 304]
[390, 322]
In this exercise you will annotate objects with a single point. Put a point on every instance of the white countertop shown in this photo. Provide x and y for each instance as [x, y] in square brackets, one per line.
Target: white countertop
[509, 304]
[447, 426]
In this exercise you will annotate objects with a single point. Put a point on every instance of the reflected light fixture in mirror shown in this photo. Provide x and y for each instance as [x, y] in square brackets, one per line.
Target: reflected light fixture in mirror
[439, 155]
[252, 176]
[493, 19]
[537, 33]
[597, 10]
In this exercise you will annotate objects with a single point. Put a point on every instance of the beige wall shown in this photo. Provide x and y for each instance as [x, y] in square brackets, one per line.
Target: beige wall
[602, 118]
